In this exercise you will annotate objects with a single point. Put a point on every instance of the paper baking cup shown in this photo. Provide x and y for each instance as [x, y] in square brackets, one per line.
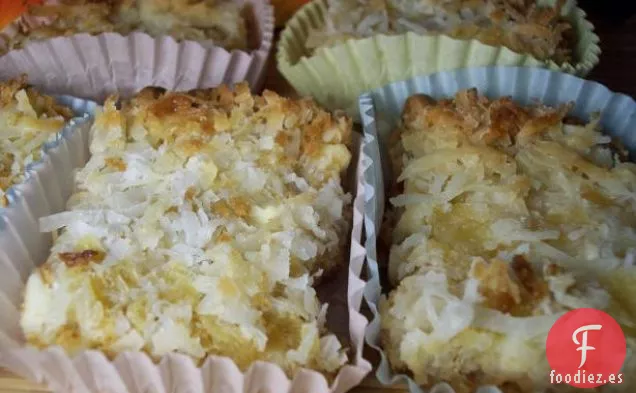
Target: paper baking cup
[95, 66]
[381, 109]
[82, 110]
[23, 247]
[336, 76]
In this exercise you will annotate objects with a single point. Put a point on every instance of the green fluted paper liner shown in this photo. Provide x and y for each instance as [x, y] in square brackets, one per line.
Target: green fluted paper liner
[336, 76]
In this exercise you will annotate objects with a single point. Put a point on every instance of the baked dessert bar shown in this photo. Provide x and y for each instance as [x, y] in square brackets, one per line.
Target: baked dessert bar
[520, 25]
[199, 224]
[28, 119]
[220, 21]
[507, 217]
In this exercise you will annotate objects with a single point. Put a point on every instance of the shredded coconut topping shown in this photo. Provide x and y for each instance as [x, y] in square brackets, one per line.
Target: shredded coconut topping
[187, 234]
[219, 21]
[520, 25]
[507, 217]
[28, 120]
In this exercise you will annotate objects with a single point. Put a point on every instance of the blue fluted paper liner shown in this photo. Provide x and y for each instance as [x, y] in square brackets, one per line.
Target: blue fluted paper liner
[380, 111]
[83, 111]
[47, 186]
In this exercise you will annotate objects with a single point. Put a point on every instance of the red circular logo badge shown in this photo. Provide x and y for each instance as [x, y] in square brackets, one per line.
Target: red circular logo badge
[586, 348]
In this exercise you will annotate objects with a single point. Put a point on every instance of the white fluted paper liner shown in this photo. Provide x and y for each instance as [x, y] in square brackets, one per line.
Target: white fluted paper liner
[23, 246]
[381, 109]
[95, 66]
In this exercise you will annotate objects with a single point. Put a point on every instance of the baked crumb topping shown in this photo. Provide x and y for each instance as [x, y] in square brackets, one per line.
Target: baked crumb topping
[507, 217]
[199, 226]
[28, 120]
[219, 21]
[520, 25]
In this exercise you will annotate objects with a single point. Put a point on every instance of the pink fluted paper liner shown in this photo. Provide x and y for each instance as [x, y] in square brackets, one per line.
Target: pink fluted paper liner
[23, 246]
[95, 66]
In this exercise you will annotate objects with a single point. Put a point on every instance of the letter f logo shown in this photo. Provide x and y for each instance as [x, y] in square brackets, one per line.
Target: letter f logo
[583, 344]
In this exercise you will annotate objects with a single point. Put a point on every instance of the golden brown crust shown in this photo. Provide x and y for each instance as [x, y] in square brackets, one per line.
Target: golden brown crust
[306, 134]
[42, 104]
[233, 207]
[500, 193]
[27, 120]
[193, 161]
[81, 258]
[526, 27]
[220, 21]
[514, 289]
[116, 163]
[522, 26]
[414, 105]
[9, 88]
[500, 122]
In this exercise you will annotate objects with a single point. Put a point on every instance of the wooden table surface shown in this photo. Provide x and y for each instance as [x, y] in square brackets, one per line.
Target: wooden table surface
[617, 70]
